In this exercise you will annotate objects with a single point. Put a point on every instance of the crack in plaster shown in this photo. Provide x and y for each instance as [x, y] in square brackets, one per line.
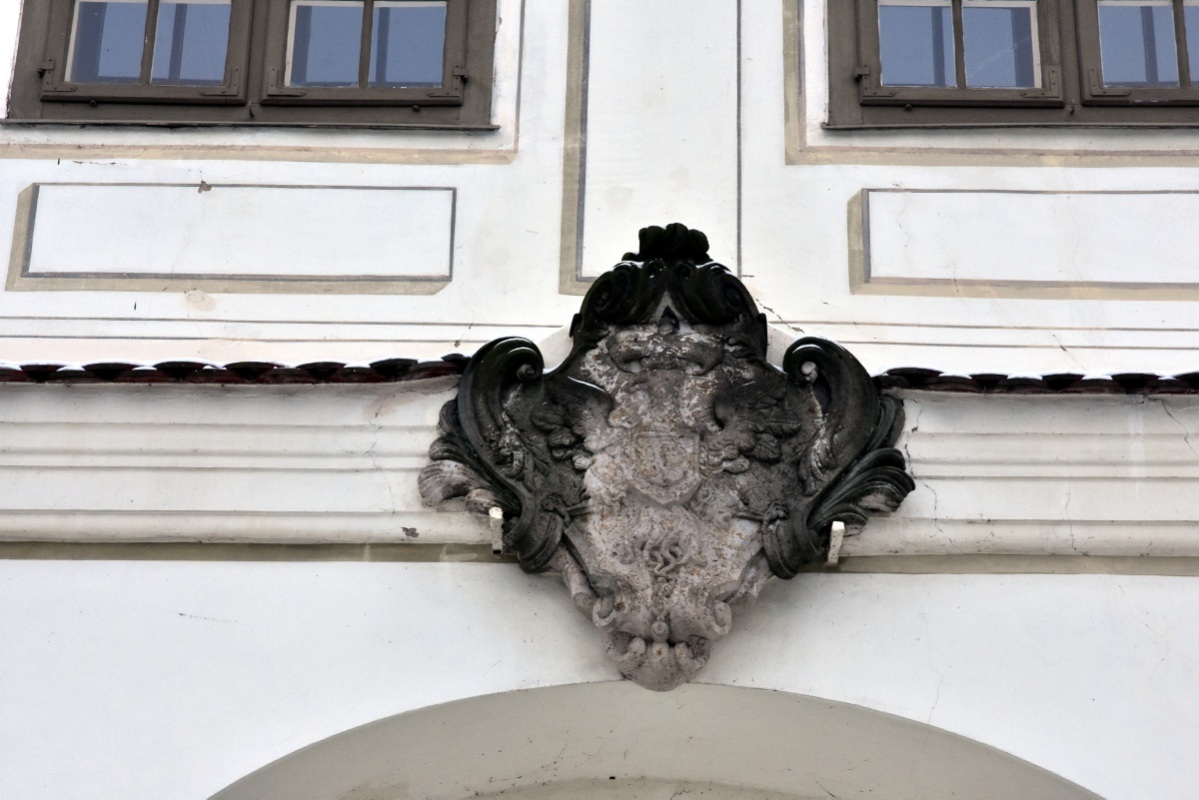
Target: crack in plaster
[547, 769]
[370, 453]
[778, 318]
[1067, 351]
[1186, 433]
[465, 332]
[205, 619]
[1162, 640]
[824, 788]
[908, 455]
[936, 698]
[1069, 519]
[932, 664]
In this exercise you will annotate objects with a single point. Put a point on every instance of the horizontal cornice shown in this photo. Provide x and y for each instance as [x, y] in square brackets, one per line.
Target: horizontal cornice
[1003, 475]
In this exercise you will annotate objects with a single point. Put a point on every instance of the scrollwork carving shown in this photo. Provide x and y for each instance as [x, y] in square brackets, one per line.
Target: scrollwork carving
[666, 469]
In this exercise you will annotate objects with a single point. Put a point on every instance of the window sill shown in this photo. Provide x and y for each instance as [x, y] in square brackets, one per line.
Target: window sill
[264, 125]
[965, 126]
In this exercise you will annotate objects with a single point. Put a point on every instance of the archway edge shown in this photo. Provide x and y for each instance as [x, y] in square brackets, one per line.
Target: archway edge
[790, 745]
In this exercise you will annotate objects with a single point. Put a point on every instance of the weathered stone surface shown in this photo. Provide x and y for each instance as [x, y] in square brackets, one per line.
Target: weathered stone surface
[666, 469]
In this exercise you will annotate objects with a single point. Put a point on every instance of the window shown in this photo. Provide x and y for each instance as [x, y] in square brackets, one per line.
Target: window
[1013, 62]
[425, 63]
[1144, 51]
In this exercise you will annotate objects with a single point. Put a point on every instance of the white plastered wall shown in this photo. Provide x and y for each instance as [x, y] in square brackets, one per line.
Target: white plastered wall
[171, 680]
[688, 114]
[130, 679]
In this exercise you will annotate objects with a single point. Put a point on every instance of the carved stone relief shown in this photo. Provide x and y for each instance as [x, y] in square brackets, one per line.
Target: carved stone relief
[666, 470]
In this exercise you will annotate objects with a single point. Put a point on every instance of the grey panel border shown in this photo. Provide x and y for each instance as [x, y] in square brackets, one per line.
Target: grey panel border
[20, 278]
[481, 555]
[383, 552]
[861, 281]
[574, 161]
[574, 149]
[740, 146]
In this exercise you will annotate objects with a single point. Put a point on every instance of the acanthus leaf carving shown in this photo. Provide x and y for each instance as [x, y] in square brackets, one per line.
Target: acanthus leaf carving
[666, 469]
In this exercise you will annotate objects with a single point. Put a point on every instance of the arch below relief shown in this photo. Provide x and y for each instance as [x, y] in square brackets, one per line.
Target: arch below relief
[606, 740]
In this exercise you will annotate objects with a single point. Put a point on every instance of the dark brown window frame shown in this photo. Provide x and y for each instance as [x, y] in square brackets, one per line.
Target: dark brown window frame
[252, 93]
[56, 87]
[448, 94]
[1094, 92]
[1071, 94]
[869, 70]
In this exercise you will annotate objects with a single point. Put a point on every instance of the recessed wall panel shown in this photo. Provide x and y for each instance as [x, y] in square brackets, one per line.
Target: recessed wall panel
[1094, 244]
[660, 125]
[260, 237]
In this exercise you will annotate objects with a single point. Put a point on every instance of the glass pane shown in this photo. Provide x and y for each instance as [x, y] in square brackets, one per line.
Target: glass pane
[106, 46]
[190, 43]
[1000, 44]
[916, 44]
[326, 40]
[1191, 18]
[1136, 41]
[407, 43]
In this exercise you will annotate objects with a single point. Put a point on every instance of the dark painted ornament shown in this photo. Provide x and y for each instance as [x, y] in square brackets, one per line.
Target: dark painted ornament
[666, 469]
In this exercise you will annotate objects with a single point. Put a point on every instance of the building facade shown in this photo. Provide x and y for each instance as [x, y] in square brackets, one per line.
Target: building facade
[253, 243]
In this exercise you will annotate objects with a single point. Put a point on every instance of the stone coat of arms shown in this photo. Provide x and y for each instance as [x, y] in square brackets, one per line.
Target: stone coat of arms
[666, 469]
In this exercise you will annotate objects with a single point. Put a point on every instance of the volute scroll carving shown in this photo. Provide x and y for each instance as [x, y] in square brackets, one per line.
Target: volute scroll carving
[666, 469]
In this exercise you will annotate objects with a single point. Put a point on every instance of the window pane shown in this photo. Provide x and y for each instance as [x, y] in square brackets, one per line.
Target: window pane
[107, 42]
[407, 43]
[1136, 41]
[916, 44]
[1191, 18]
[326, 40]
[191, 42]
[1000, 44]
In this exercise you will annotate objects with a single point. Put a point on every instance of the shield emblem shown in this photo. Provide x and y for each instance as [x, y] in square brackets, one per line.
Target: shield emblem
[666, 465]
[666, 470]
